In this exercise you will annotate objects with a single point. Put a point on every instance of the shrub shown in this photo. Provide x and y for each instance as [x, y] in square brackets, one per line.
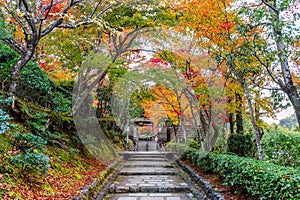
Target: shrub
[181, 148]
[282, 148]
[4, 124]
[261, 179]
[60, 103]
[240, 144]
[31, 163]
[27, 142]
[29, 159]
[7, 59]
[175, 147]
[34, 83]
[4, 117]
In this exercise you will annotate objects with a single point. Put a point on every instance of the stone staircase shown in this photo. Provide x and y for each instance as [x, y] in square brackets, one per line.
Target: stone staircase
[149, 176]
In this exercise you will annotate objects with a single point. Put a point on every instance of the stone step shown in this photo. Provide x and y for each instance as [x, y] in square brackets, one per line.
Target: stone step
[149, 155]
[148, 164]
[147, 159]
[135, 154]
[151, 196]
[148, 171]
[145, 153]
[150, 184]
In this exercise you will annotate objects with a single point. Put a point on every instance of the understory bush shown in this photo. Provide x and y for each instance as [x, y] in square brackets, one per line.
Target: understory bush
[181, 148]
[282, 148]
[240, 144]
[34, 84]
[30, 158]
[260, 179]
[4, 116]
[4, 124]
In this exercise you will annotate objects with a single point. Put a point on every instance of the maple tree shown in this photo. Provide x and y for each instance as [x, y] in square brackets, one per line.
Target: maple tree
[33, 20]
[205, 93]
[219, 35]
[117, 40]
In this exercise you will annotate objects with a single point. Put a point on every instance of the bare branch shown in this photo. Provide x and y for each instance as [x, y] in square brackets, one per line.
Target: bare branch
[96, 7]
[107, 8]
[58, 22]
[27, 8]
[266, 67]
[266, 88]
[270, 6]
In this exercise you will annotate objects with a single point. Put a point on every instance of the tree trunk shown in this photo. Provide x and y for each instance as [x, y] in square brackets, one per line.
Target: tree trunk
[16, 69]
[288, 86]
[239, 117]
[200, 138]
[256, 129]
[231, 123]
[192, 101]
[295, 100]
[183, 129]
[215, 136]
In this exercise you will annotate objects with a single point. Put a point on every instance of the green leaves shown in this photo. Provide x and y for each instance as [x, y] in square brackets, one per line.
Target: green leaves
[261, 179]
[4, 125]
[282, 148]
[139, 15]
[96, 61]
[6, 29]
[29, 159]
[240, 144]
[4, 117]
[32, 163]
[28, 142]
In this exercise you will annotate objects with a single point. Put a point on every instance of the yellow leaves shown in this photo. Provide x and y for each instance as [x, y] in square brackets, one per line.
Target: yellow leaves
[18, 34]
[167, 104]
[62, 75]
[213, 20]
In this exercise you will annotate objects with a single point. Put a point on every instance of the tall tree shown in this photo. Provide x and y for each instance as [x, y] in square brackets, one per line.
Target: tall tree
[35, 19]
[123, 25]
[217, 26]
[275, 36]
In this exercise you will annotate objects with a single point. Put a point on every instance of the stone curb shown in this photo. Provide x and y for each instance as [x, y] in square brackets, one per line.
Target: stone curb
[207, 187]
[100, 186]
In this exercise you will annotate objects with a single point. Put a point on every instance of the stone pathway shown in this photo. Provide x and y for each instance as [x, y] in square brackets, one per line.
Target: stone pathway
[150, 176]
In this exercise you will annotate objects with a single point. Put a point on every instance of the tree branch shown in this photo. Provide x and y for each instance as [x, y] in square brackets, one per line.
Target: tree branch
[15, 45]
[270, 6]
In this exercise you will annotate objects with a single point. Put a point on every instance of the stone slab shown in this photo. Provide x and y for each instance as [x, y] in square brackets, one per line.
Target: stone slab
[147, 164]
[150, 183]
[152, 196]
[148, 171]
[149, 159]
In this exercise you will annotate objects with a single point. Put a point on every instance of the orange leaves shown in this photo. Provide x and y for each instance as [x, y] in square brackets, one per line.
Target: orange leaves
[226, 25]
[210, 19]
[165, 103]
[296, 78]
[57, 184]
